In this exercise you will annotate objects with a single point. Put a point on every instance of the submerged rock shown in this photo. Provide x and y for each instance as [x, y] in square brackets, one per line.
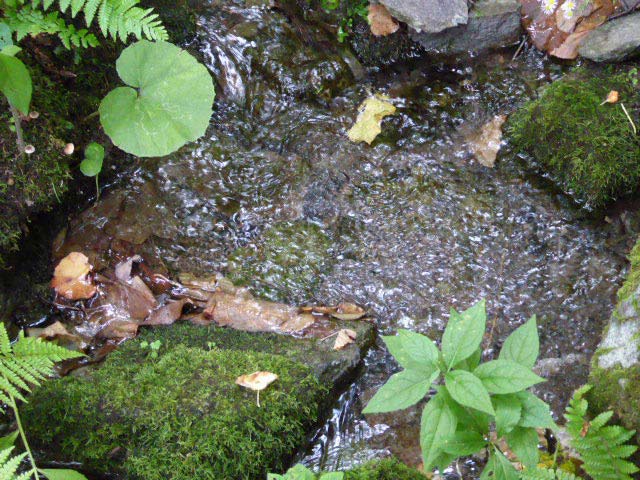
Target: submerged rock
[614, 41]
[429, 15]
[181, 415]
[615, 368]
[491, 24]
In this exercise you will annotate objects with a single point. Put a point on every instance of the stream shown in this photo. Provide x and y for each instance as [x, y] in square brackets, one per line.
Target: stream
[275, 195]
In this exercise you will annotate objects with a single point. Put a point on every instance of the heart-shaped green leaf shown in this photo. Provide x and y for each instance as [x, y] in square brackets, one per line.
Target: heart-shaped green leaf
[167, 104]
[15, 82]
[93, 157]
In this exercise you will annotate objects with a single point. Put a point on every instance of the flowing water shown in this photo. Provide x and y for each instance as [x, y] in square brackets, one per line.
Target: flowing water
[276, 194]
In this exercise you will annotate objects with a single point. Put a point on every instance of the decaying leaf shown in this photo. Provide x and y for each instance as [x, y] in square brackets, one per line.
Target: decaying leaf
[167, 314]
[381, 21]
[57, 331]
[348, 312]
[345, 337]
[612, 97]
[70, 278]
[369, 121]
[485, 144]
[256, 381]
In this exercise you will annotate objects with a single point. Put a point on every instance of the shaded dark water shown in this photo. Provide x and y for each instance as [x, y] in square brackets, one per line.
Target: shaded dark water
[408, 227]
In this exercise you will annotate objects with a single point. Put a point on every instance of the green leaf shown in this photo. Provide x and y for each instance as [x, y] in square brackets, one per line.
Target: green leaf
[412, 350]
[535, 412]
[463, 334]
[10, 50]
[8, 441]
[471, 418]
[508, 413]
[503, 469]
[471, 363]
[524, 443]
[168, 101]
[6, 36]
[93, 157]
[401, 391]
[332, 476]
[15, 82]
[275, 476]
[438, 424]
[505, 376]
[464, 443]
[299, 472]
[523, 345]
[467, 390]
[61, 474]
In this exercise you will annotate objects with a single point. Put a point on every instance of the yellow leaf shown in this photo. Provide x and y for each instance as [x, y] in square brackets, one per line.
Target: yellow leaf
[368, 123]
[70, 277]
[345, 337]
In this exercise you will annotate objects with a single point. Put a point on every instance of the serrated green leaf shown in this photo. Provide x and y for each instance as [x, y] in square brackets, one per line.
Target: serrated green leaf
[8, 440]
[437, 425]
[535, 412]
[10, 50]
[466, 389]
[505, 376]
[463, 334]
[471, 418]
[401, 391]
[503, 468]
[471, 363]
[523, 345]
[412, 350]
[464, 443]
[508, 413]
[61, 474]
[168, 101]
[15, 82]
[524, 443]
[93, 158]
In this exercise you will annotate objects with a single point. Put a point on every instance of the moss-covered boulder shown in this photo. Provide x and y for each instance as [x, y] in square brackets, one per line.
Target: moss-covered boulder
[180, 415]
[389, 469]
[285, 264]
[588, 147]
[615, 369]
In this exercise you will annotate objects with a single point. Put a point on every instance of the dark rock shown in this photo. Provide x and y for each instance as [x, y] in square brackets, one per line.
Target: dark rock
[429, 15]
[492, 24]
[614, 41]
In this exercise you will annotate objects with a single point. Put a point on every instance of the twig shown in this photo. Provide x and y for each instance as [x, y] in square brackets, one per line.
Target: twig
[633, 125]
[18, 125]
[515, 55]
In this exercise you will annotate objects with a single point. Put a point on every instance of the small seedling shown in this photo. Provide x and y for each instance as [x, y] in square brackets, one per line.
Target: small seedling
[153, 347]
[91, 166]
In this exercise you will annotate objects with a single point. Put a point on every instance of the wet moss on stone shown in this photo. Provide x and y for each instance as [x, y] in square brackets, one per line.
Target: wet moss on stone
[286, 264]
[589, 148]
[180, 415]
[388, 469]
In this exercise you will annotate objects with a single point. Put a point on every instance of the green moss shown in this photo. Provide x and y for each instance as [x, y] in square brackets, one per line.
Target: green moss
[589, 148]
[632, 281]
[388, 469]
[178, 416]
[286, 264]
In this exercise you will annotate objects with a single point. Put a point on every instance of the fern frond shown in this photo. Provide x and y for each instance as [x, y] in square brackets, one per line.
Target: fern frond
[9, 465]
[26, 363]
[546, 474]
[602, 447]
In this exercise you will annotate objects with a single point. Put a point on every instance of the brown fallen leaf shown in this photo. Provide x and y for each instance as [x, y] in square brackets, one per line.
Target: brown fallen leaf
[345, 338]
[485, 144]
[348, 312]
[123, 269]
[70, 277]
[57, 331]
[256, 381]
[381, 21]
[167, 314]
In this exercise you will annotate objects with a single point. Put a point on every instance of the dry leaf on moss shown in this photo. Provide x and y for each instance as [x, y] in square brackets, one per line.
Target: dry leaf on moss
[345, 338]
[369, 121]
[612, 97]
[70, 278]
[381, 21]
[256, 381]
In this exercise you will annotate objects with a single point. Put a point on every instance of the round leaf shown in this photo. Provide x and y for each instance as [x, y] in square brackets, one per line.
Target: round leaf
[15, 82]
[168, 101]
[93, 157]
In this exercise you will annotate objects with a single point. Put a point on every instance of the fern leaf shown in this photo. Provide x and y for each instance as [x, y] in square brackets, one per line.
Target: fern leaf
[9, 465]
[90, 9]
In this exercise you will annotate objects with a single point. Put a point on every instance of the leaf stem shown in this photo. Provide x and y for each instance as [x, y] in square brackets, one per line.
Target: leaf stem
[18, 125]
[97, 189]
[23, 436]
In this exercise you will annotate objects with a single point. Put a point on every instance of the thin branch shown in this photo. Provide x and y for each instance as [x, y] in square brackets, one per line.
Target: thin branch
[18, 125]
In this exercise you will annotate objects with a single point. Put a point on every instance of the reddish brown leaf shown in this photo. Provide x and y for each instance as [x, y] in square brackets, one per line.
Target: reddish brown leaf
[70, 278]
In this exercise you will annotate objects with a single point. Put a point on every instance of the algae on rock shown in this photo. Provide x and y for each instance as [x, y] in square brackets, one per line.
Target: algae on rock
[587, 146]
[181, 415]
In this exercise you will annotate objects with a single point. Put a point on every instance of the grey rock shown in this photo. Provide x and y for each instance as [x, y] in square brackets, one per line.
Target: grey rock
[429, 15]
[491, 24]
[614, 41]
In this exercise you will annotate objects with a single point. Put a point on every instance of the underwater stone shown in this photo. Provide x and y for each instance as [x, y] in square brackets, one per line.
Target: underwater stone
[614, 41]
[429, 15]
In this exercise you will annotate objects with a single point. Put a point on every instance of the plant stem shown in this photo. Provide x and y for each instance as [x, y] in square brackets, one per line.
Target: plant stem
[14, 407]
[97, 189]
[18, 125]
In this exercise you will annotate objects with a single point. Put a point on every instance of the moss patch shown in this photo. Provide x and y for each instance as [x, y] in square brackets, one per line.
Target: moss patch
[389, 469]
[587, 147]
[180, 415]
[632, 281]
[286, 264]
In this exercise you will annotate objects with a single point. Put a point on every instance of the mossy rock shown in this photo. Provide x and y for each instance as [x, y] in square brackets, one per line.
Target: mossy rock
[588, 147]
[285, 264]
[615, 367]
[180, 415]
[388, 469]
